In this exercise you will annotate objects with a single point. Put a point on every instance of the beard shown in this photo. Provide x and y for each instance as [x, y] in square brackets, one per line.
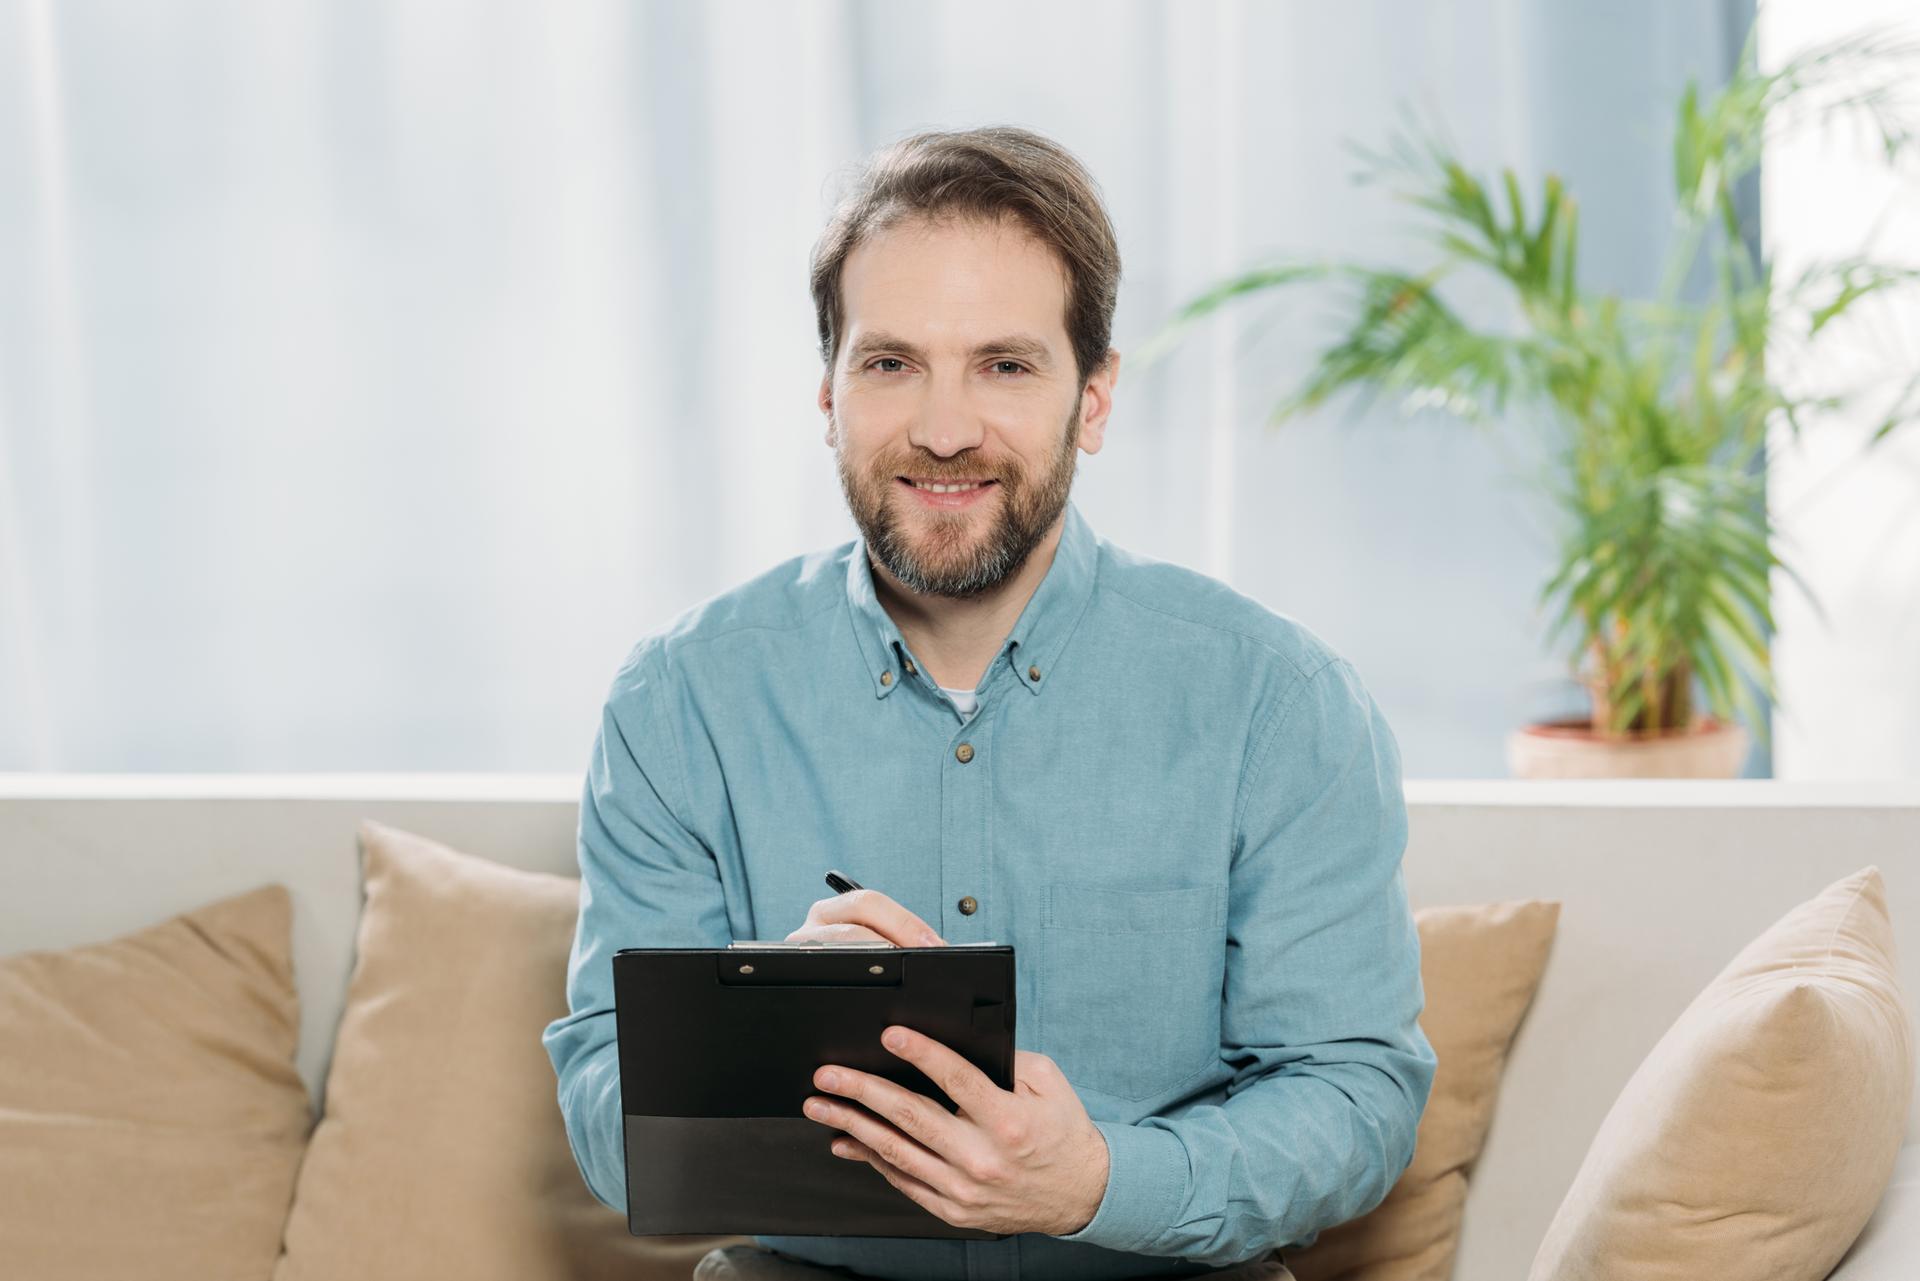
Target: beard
[967, 553]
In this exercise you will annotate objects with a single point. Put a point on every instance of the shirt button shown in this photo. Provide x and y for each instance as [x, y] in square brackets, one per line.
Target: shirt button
[963, 753]
[886, 678]
[1033, 673]
[968, 907]
[911, 669]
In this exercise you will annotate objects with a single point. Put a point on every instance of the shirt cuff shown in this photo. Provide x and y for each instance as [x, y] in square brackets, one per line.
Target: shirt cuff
[1146, 1185]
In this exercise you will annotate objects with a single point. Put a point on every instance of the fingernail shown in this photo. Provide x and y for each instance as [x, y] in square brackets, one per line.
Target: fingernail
[929, 939]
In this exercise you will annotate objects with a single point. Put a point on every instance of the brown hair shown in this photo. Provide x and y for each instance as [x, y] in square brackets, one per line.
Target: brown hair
[983, 174]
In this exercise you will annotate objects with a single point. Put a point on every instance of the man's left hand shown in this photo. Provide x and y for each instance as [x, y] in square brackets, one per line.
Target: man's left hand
[1027, 1159]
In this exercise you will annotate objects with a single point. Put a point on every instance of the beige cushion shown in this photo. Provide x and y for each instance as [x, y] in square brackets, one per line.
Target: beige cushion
[151, 1116]
[442, 1152]
[1757, 1136]
[1479, 965]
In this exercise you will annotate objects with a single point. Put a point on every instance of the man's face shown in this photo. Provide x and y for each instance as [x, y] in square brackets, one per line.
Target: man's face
[956, 367]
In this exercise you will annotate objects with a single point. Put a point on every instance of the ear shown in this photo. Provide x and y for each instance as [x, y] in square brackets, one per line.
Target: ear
[1096, 402]
[825, 401]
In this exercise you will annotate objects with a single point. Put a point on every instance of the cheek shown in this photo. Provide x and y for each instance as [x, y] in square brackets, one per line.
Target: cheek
[873, 421]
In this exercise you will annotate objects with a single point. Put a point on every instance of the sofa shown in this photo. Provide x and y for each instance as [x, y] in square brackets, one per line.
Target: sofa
[1660, 883]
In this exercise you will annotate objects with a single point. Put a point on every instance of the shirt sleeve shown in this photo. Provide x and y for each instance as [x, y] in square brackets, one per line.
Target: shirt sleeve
[645, 881]
[1322, 999]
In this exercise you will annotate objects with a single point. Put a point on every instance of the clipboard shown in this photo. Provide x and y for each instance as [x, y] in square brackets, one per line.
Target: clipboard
[718, 1047]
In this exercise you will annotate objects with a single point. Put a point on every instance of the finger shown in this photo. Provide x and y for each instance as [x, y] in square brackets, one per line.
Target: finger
[915, 1189]
[887, 1116]
[893, 1147]
[1039, 1073]
[973, 1090]
[846, 933]
[878, 912]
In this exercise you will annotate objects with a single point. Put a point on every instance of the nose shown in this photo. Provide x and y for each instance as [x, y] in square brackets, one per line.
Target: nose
[945, 424]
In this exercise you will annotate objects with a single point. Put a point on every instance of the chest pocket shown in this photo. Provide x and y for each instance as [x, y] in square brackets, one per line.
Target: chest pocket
[1130, 984]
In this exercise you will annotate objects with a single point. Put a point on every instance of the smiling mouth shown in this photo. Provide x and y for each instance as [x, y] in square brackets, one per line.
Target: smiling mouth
[946, 487]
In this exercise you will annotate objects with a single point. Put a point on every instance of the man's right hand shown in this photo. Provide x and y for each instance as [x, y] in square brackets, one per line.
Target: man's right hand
[864, 916]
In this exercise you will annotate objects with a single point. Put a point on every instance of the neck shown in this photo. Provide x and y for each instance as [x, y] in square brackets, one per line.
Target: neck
[956, 639]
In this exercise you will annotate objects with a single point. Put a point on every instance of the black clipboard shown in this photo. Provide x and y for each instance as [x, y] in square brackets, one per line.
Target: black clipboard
[718, 1047]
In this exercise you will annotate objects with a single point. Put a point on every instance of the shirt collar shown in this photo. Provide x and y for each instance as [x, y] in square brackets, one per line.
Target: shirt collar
[1039, 635]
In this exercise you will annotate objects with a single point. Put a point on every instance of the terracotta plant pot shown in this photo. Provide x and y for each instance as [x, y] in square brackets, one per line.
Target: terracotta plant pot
[1709, 748]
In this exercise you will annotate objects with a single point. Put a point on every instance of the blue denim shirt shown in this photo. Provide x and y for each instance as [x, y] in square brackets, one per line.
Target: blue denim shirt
[1183, 809]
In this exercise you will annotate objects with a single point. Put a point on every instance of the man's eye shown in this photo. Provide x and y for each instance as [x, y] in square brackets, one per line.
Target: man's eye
[1014, 367]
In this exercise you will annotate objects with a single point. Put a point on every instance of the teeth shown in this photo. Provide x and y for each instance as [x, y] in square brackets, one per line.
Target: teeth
[945, 489]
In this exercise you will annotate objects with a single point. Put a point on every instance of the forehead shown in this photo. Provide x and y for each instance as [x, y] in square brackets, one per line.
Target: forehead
[952, 282]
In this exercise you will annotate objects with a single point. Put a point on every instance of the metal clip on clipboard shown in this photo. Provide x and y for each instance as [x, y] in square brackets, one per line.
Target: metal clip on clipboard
[839, 964]
[760, 943]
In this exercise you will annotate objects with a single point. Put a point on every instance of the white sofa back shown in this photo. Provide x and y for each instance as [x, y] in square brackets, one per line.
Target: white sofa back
[1662, 882]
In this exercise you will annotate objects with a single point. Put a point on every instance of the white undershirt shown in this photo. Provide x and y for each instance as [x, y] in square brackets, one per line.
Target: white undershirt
[964, 699]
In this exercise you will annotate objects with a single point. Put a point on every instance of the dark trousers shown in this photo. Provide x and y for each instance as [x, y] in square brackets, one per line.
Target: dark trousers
[752, 1263]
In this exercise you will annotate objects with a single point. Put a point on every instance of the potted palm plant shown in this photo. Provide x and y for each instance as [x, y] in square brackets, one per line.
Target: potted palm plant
[1659, 407]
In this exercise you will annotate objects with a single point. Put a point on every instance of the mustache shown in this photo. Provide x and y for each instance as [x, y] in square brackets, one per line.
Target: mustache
[937, 475]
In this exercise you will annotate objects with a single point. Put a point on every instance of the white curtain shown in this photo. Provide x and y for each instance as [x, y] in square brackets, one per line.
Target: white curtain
[1849, 514]
[373, 375]
[375, 371]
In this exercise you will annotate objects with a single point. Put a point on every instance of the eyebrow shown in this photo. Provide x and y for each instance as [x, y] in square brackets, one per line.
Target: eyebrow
[1024, 346]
